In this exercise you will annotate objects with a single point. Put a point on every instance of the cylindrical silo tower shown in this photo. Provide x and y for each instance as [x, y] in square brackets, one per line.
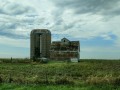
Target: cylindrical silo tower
[40, 41]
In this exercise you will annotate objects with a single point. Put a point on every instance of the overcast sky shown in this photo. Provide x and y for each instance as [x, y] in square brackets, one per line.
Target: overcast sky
[95, 23]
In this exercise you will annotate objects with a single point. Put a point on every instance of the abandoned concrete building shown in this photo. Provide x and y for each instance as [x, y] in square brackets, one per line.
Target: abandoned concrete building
[40, 41]
[41, 46]
[65, 50]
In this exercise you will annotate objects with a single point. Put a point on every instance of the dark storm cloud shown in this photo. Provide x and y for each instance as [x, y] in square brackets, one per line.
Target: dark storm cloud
[10, 8]
[59, 23]
[58, 16]
[14, 17]
[104, 7]
[12, 35]
[18, 27]
[11, 27]
[8, 30]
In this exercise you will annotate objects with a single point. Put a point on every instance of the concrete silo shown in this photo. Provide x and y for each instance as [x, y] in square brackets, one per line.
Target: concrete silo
[40, 41]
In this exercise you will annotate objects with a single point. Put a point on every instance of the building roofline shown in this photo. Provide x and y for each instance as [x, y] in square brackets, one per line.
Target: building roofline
[40, 30]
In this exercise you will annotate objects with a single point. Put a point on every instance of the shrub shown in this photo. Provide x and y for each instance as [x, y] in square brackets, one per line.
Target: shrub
[19, 80]
[63, 80]
[44, 60]
[117, 81]
[1, 80]
[99, 80]
[10, 80]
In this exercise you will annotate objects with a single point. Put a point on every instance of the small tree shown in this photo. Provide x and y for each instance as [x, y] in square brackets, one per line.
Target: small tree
[11, 59]
[34, 59]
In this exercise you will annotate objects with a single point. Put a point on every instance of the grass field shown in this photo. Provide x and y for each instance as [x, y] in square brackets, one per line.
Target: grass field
[57, 87]
[85, 75]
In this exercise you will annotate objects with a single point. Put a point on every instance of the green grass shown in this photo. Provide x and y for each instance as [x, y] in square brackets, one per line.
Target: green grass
[85, 75]
[57, 87]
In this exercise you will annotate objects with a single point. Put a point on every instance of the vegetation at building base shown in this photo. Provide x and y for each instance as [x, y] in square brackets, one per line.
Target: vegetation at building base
[87, 74]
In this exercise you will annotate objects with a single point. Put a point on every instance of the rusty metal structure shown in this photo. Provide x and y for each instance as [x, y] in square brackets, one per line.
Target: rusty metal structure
[40, 41]
[65, 50]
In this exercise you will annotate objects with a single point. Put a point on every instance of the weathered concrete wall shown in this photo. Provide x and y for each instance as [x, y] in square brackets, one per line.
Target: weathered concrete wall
[40, 41]
[65, 50]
